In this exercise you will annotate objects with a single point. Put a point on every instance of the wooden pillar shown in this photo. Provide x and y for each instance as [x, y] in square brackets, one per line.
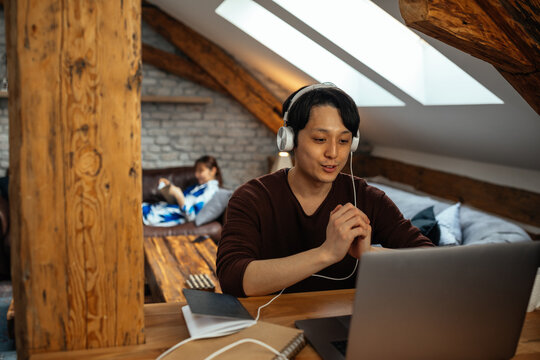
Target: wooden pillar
[75, 165]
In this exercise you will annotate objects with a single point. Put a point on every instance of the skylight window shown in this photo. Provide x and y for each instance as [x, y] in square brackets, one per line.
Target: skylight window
[388, 47]
[303, 52]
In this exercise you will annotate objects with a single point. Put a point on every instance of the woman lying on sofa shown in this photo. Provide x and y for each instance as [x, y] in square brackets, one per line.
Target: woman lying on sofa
[184, 205]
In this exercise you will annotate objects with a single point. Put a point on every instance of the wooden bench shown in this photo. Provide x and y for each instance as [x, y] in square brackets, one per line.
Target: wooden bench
[170, 260]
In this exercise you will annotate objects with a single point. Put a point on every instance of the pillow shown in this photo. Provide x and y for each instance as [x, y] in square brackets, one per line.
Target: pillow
[477, 227]
[481, 228]
[410, 204]
[449, 226]
[214, 207]
[534, 301]
[426, 222]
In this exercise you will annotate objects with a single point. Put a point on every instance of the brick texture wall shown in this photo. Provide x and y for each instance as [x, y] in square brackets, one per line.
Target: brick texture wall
[174, 134]
[4, 122]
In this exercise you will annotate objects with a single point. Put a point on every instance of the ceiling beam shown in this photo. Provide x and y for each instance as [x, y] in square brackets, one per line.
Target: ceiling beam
[504, 33]
[179, 66]
[520, 22]
[225, 70]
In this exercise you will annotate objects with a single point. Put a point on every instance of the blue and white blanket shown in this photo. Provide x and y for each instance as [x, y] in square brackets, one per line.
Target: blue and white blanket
[164, 214]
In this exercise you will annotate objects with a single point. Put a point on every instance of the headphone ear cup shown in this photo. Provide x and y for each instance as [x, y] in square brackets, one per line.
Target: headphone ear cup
[355, 141]
[285, 138]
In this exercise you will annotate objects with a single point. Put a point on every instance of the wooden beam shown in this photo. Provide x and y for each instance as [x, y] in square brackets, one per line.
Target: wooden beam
[516, 204]
[177, 99]
[527, 85]
[75, 173]
[159, 98]
[219, 65]
[179, 66]
[520, 21]
[504, 33]
[466, 26]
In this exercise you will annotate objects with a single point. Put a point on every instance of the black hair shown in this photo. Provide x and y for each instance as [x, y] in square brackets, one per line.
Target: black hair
[298, 115]
[211, 162]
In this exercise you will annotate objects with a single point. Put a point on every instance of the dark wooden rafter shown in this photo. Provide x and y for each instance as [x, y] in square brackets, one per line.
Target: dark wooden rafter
[226, 71]
[519, 20]
[179, 66]
[504, 33]
[516, 204]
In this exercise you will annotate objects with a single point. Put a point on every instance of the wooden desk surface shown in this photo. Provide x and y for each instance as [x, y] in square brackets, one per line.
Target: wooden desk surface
[165, 326]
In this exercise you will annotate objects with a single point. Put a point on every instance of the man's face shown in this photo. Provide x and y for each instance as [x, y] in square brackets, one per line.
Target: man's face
[323, 145]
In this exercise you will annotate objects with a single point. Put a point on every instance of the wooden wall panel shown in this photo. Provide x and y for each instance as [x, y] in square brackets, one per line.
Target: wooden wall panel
[75, 166]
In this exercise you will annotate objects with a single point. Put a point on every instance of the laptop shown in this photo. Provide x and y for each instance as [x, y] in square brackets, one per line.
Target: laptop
[466, 302]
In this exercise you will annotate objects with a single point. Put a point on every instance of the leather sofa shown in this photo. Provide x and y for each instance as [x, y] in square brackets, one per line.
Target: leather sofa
[5, 245]
[183, 176]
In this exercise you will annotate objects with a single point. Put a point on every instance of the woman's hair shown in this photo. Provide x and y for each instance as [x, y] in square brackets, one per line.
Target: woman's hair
[210, 162]
[299, 112]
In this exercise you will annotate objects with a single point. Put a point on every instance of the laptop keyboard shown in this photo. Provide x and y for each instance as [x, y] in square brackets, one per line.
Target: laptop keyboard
[341, 346]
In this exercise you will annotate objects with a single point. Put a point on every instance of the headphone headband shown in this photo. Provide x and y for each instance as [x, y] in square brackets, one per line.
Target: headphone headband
[285, 136]
[302, 92]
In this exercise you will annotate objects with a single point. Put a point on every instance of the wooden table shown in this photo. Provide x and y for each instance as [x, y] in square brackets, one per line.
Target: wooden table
[165, 326]
[169, 260]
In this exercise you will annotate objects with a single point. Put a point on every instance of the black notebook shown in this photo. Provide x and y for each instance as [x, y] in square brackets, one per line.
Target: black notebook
[214, 304]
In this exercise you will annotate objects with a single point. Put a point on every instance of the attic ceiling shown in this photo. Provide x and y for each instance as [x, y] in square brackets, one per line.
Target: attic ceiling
[504, 134]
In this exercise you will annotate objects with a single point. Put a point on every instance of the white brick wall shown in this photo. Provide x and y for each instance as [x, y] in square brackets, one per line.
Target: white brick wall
[178, 134]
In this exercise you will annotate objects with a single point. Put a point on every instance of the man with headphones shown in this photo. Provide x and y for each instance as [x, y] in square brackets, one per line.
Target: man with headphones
[298, 228]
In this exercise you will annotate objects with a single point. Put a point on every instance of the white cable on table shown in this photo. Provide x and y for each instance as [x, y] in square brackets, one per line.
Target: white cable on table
[217, 333]
[236, 343]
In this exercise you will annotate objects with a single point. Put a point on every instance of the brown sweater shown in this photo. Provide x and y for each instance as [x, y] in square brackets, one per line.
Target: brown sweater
[265, 221]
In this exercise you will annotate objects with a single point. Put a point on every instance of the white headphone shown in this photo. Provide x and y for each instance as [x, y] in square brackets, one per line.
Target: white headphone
[285, 135]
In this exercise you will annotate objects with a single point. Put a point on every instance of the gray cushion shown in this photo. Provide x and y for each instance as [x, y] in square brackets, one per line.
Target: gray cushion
[477, 227]
[410, 204]
[480, 228]
[427, 224]
[450, 226]
[214, 207]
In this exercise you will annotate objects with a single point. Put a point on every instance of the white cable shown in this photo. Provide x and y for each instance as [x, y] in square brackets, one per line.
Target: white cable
[236, 343]
[355, 265]
[171, 349]
[352, 179]
[268, 303]
[219, 332]
[338, 279]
